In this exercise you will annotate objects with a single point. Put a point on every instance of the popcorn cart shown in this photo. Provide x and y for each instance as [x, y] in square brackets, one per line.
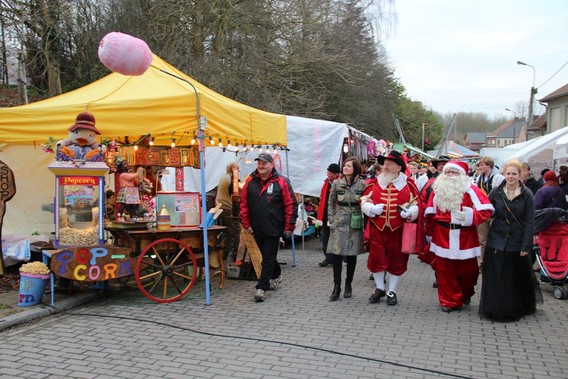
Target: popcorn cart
[162, 262]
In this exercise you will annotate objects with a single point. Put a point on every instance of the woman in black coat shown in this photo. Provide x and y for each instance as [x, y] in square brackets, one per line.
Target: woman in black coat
[509, 288]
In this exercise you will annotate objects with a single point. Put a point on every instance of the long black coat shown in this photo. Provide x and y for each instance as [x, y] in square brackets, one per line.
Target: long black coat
[506, 233]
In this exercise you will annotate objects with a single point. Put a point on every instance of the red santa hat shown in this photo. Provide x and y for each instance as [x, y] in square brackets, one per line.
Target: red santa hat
[462, 167]
[84, 120]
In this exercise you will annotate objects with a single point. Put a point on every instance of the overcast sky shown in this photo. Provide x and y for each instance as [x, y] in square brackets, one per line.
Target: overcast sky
[460, 56]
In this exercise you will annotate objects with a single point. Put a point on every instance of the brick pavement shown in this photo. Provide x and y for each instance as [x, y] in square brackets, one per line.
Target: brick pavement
[295, 333]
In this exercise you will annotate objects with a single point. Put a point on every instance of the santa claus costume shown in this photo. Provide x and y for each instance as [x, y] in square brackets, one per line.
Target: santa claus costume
[452, 214]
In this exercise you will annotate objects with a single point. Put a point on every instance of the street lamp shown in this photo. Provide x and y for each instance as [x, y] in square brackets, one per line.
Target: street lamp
[509, 110]
[533, 92]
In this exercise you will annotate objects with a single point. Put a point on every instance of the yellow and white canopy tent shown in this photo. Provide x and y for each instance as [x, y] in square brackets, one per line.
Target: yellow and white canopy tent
[155, 104]
[162, 103]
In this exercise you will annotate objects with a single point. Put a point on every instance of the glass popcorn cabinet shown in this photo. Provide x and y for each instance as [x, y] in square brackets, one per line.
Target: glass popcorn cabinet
[79, 203]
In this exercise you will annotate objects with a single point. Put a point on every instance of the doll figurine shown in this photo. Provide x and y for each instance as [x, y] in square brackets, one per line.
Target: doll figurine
[82, 141]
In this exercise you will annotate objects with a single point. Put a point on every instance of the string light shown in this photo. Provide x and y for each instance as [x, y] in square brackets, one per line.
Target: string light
[173, 144]
[135, 147]
[211, 141]
[152, 141]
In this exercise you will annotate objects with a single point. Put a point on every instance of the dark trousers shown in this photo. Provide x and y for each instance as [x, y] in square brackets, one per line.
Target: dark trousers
[232, 233]
[325, 230]
[270, 268]
[337, 266]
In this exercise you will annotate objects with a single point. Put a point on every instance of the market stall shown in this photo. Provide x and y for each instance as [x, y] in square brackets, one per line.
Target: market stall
[159, 118]
[164, 259]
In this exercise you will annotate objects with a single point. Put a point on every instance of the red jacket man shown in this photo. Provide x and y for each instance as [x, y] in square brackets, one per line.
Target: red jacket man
[268, 210]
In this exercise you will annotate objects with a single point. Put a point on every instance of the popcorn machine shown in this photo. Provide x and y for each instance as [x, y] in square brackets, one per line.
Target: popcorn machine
[79, 203]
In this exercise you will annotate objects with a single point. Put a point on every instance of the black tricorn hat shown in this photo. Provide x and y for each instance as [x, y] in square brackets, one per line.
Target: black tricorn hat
[394, 156]
[441, 158]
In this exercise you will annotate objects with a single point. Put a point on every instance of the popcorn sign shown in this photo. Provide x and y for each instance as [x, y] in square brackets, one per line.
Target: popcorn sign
[93, 263]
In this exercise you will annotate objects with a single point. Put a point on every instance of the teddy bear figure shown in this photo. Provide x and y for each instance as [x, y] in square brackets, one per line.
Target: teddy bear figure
[82, 141]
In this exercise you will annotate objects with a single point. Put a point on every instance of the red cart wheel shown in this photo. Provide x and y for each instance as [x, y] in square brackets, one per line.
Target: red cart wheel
[166, 270]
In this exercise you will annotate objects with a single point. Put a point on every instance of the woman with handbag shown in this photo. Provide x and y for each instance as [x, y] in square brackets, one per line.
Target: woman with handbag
[346, 224]
[509, 288]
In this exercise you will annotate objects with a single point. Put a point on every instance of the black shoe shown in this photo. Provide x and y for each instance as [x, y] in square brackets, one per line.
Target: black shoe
[467, 301]
[435, 285]
[376, 296]
[371, 277]
[391, 298]
[324, 263]
[335, 294]
[447, 309]
[348, 292]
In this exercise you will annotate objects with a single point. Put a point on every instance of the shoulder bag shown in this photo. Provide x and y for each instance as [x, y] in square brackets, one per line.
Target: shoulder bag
[356, 220]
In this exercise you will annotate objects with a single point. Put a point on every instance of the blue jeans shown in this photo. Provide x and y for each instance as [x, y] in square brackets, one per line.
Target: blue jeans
[270, 268]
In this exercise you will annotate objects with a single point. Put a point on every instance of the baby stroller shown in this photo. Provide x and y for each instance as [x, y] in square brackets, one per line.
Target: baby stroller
[551, 248]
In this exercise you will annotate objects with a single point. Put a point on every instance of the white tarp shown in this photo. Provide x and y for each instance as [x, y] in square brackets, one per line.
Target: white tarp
[499, 154]
[561, 148]
[313, 145]
[545, 142]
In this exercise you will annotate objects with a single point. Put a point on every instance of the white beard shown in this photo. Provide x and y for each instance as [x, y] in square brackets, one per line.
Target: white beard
[386, 179]
[449, 191]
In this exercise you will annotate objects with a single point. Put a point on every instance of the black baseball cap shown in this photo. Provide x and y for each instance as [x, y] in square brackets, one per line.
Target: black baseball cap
[265, 157]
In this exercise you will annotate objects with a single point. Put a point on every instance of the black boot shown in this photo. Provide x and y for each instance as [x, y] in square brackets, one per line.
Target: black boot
[335, 294]
[347, 293]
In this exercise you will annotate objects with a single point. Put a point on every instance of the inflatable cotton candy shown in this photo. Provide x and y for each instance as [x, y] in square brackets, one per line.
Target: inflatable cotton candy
[125, 54]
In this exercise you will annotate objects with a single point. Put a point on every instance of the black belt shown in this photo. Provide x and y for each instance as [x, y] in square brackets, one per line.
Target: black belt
[450, 226]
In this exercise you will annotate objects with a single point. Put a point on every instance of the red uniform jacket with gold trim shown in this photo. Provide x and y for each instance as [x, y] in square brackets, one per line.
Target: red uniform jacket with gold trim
[401, 191]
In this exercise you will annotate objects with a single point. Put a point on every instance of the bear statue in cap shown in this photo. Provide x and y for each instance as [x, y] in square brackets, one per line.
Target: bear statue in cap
[82, 141]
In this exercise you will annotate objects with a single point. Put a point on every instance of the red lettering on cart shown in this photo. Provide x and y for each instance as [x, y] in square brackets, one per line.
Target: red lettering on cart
[83, 256]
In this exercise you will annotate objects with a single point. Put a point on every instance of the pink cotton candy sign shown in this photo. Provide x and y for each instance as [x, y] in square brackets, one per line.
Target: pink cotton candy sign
[124, 54]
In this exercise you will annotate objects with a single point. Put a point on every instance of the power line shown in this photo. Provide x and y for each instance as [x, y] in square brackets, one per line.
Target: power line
[553, 75]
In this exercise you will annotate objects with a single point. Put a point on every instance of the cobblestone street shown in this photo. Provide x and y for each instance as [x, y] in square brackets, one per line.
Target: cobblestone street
[295, 333]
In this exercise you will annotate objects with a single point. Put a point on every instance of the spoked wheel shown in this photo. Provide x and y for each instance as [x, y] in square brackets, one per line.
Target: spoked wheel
[166, 270]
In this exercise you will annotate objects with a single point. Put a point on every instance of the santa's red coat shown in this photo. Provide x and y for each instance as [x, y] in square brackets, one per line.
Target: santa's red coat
[459, 241]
